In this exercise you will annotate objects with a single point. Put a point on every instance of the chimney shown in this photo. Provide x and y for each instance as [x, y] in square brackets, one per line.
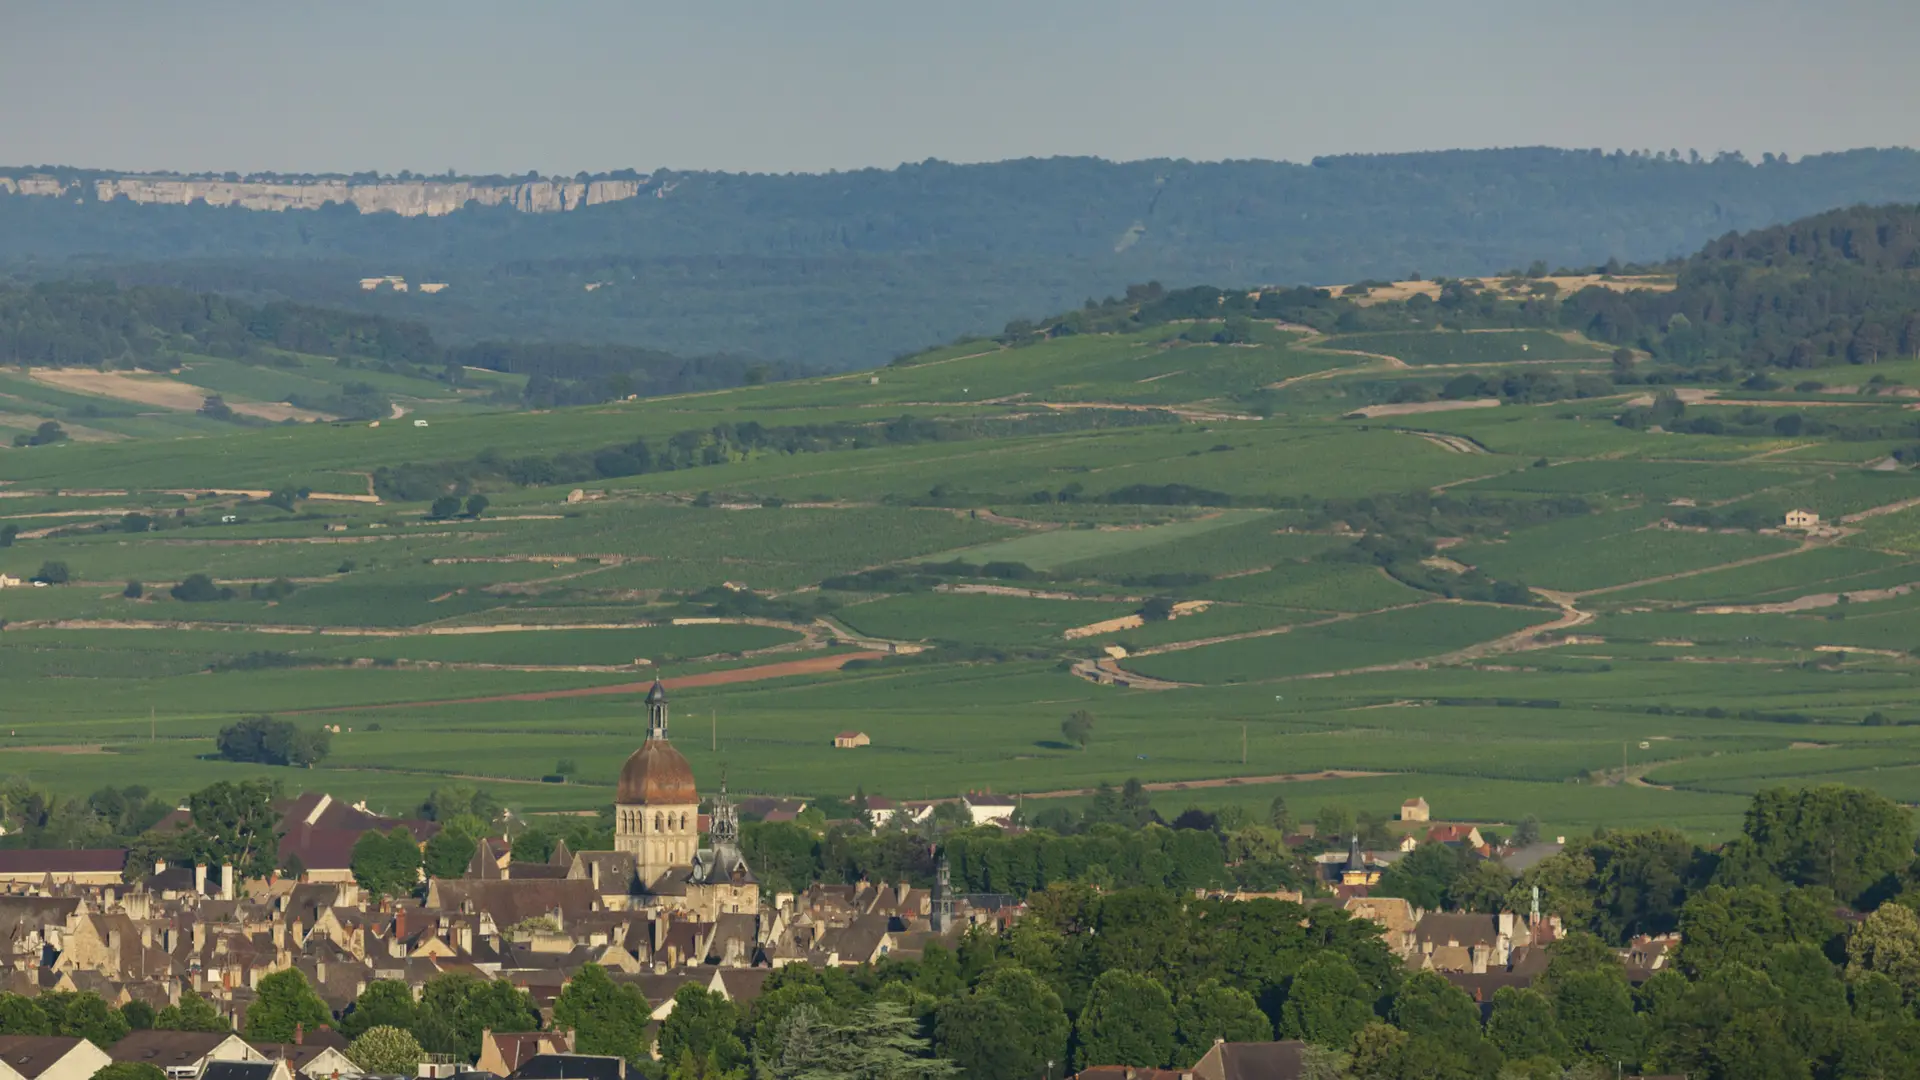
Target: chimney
[159, 866]
[200, 880]
[113, 948]
[226, 882]
[299, 1033]
[199, 935]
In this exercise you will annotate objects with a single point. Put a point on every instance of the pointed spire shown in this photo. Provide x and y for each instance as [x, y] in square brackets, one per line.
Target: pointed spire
[1355, 861]
[725, 826]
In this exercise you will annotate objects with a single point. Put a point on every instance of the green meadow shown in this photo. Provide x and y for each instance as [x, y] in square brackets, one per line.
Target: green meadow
[1538, 628]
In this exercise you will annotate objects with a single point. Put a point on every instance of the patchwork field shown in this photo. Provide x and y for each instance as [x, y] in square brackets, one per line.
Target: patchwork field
[1510, 610]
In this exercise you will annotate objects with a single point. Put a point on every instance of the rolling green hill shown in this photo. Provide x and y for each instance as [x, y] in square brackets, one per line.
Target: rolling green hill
[1564, 590]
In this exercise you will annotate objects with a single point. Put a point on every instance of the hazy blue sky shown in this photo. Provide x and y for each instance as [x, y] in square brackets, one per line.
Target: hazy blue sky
[778, 85]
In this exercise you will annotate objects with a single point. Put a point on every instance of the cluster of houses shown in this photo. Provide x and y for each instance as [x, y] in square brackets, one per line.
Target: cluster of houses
[674, 903]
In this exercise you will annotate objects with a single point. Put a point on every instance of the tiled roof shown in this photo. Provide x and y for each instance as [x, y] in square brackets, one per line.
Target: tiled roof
[49, 861]
[31, 1055]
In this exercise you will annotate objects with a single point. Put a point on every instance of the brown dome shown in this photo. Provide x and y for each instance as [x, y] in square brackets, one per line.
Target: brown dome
[657, 775]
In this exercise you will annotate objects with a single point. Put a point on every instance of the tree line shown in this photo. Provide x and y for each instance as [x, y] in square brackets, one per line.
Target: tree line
[73, 323]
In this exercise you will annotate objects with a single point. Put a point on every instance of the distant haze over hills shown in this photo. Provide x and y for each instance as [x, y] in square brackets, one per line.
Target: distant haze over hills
[843, 269]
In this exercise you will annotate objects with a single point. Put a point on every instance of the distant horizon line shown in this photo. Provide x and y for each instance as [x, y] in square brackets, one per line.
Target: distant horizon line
[1674, 156]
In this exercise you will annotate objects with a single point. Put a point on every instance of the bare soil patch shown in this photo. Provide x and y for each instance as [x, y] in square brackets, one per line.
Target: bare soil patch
[1572, 283]
[160, 391]
[1410, 408]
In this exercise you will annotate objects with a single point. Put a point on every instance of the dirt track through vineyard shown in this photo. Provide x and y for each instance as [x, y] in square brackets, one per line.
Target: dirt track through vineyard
[815, 666]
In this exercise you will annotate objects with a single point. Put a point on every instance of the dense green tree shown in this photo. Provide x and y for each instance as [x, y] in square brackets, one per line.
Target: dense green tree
[1594, 1013]
[1874, 998]
[1278, 816]
[1128, 1020]
[1042, 1025]
[138, 1014]
[445, 506]
[1845, 839]
[266, 741]
[477, 505]
[387, 1049]
[450, 852]
[605, 1017]
[1888, 943]
[1424, 875]
[1210, 1012]
[191, 1013]
[1333, 824]
[1327, 1003]
[199, 589]
[387, 864]
[1428, 1005]
[21, 1015]
[1522, 1025]
[1077, 728]
[1722, 925]
[231, 824]
[982, 1036]
[1482, 887]
[84, 1015]
[701, 1026]
[284, 1002]
[878, 1040]
[489, 1005]
[383, 1003]
[449, 801]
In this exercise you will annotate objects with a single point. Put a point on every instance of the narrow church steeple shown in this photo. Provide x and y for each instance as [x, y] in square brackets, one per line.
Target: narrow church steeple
[724, 829]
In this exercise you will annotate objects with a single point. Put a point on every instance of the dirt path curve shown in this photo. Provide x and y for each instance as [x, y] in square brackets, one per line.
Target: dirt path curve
[1806, 545]
[1214, 782]
[817, 665]
[1532, 637]
[1179, 646]
[1879, 511]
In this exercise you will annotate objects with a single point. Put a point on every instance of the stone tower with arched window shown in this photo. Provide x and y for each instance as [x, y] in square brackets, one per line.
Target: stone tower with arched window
[657, 810]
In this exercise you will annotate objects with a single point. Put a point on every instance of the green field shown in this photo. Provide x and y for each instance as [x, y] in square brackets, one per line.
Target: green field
[1488, 347]
[456, 647]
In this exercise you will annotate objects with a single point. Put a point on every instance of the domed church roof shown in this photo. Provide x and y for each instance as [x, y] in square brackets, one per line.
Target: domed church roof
[657, 695]
[657, 775]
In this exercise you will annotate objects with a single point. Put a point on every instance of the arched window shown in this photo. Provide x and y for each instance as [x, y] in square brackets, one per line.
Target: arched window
[656, 821]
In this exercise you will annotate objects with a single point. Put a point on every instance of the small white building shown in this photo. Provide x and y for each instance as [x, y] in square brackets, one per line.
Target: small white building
[1802, 519]
[1415, 809]
[987, 807]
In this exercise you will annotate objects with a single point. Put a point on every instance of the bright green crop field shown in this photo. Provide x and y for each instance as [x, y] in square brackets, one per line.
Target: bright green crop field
[1534, 629]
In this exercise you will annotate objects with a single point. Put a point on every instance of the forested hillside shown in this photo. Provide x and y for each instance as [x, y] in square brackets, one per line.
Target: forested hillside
[67, 324]
[852, 268]
[1841, 287]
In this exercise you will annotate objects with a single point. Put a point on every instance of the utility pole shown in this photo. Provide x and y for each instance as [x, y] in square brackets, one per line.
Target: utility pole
[1243, 742]
[713, 716]
[153, 725]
